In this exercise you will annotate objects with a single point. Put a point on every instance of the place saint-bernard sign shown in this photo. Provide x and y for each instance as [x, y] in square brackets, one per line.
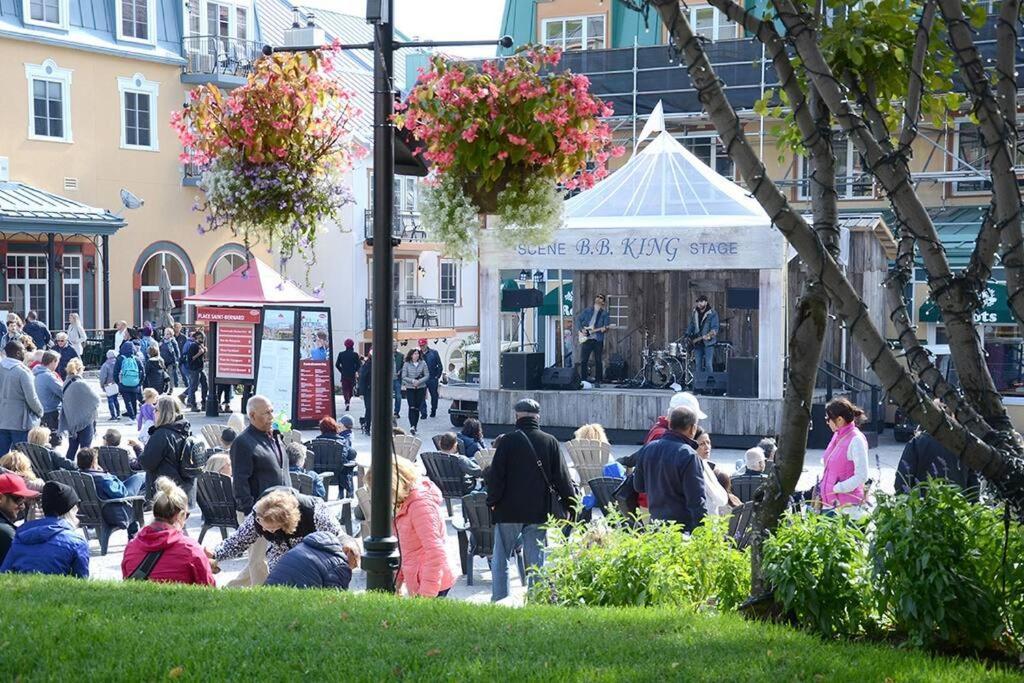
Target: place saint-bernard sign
[660, 249]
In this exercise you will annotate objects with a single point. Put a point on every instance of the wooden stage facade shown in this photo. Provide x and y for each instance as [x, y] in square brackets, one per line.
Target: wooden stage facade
[627, 414]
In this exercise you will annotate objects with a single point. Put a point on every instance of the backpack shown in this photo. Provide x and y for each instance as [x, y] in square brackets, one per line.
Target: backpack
[129, 375]
[191, 458]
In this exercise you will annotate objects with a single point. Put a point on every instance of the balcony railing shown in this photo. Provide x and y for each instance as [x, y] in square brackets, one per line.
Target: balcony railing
[191, 175]
[405, 225]
[417, 314]
[220, 55]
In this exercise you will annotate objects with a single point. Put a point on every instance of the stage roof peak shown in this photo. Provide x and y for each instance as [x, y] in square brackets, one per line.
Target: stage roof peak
[664, 185]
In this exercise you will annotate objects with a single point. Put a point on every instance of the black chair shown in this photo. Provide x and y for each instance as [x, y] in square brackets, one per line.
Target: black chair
[303, 483]
[116, 460]
[744, 486]
[458, 442]
[90, 509]
[604, 489]
[39, 456]
[216, 500]
[330, 456]
[443, 469]
[740, 525]
[476, 536]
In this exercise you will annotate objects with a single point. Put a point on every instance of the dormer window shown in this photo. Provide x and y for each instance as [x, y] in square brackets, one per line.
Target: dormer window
[49, 13]
[136, 21]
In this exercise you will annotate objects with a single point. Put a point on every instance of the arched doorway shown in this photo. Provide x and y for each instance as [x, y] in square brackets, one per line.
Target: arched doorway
[149, 288]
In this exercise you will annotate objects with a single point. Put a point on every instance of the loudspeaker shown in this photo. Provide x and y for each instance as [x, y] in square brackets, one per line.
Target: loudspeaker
[521, 370]
[744, 298]
[616, 369]
[560, 378]
[742, 377]
[710, 383]
[517, 299]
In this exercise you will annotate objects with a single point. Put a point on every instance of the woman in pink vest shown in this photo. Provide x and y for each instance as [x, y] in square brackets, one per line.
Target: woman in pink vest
[846, 458]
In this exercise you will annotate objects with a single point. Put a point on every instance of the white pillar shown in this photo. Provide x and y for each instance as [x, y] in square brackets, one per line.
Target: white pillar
[771, 341]
[490, 325]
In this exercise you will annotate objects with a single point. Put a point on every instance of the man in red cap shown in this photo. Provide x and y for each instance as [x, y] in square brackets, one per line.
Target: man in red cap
[435, 368]
[348, 365]
[13, 493]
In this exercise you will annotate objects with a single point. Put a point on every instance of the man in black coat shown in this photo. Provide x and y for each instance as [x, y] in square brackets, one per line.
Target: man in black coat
[365, 386]
[258, 462]
[668, 470]
[527, 472]
[436, 368]
[348, 363]
[925, 458]
[37, 330]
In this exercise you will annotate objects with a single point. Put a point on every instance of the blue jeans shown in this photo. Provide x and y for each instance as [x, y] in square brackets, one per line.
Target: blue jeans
[9, 437]
[82, 439]
[135, 483]
[197, 380]
[396, 388]
[506, 536]
[704, 355]
[431, 387]
[132, 396]
[115, 407]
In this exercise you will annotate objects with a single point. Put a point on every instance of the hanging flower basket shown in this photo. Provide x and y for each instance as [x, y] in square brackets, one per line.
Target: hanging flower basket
[505, 138]
[272, 152]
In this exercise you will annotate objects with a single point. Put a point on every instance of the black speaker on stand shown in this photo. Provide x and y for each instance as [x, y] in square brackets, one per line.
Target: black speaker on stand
[742, 381]
[521, 370]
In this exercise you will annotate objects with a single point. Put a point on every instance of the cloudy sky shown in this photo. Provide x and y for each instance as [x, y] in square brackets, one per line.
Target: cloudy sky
[436, 19]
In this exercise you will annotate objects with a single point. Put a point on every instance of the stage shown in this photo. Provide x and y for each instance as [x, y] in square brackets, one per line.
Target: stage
[627, 414]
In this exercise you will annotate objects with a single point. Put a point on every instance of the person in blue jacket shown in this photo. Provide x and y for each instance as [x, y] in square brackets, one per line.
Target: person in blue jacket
[108, 487]
[297, 454]
[435, 368]
[669, 472]
[317, 562]
[50, 545]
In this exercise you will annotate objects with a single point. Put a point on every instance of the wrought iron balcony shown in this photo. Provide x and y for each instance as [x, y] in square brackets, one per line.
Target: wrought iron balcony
[221, 60]
[417, 314]
[405, 225]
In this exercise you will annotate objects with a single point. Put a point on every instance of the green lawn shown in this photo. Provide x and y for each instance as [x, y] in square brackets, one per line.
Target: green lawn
[68, 630]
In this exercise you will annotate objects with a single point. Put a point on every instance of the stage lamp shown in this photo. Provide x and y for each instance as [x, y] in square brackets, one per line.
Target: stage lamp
[538, 276]
[524, 275]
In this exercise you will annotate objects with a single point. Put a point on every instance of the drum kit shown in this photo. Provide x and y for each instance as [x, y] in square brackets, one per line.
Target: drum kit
[665, 367]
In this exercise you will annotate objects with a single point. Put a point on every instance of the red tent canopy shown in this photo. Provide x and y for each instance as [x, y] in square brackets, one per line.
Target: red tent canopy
[254, 284]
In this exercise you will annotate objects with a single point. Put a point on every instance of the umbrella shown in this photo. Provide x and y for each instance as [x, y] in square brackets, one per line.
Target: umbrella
[166, 303]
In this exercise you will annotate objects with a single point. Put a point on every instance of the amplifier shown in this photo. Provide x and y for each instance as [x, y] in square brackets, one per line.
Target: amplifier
[711, 383]
[560, 378]
[742, 380]
[521, 370]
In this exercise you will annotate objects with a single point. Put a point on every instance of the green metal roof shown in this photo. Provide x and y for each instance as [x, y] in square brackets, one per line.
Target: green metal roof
[28, 209]
[957, 227]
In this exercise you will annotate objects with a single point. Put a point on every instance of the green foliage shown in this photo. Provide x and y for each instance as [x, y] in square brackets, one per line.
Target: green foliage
[938, 567]
[136, 631]
[612, 563]
[819, 568]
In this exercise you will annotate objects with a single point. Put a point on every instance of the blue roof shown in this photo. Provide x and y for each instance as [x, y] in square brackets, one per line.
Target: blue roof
[91, 27]
[28, 209]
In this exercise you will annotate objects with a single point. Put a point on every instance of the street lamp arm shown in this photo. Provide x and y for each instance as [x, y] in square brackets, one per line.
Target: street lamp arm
[504, 42]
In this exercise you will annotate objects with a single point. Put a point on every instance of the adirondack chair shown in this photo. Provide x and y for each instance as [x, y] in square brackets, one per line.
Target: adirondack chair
[458, 442]
[116, 460]
[407, 446]
[603, 489]
[589, 457]
[39, 456]
[443, 469]
[740, 525]
[303, 483]
[90, 509]
[330, 456]
[745, 485]
[476, 536]
[484, 458]
[216, 500]
[211, 434]
[363, 500]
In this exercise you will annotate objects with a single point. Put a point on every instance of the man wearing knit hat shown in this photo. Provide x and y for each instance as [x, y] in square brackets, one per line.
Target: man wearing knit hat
[13, 494]
[348, 363]
[50, 545]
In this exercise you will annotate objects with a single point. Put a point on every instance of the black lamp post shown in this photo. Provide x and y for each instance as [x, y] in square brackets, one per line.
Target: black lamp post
[380, 559]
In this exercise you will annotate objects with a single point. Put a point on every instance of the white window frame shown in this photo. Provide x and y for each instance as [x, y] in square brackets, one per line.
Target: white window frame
[150, 38]
[27, 282]
[850, 172]
[585, 18]
[618, 310]
[50, 72]
[955, 160]
[139, 85]
[68, 262]
[179, 292]
[224, 257]
[62, 23]
[715, 144]
[457, 300]
[720, 22]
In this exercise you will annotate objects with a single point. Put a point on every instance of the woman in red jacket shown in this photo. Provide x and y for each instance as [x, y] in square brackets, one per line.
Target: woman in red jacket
[182, 560]
[421, 533]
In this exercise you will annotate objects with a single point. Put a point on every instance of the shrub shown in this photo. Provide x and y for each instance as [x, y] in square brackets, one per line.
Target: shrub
[938, 567]
[611, 563]
[818, 566]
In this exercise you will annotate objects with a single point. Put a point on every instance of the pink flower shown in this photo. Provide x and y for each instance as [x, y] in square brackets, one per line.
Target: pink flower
[516, 140]
[470, 134]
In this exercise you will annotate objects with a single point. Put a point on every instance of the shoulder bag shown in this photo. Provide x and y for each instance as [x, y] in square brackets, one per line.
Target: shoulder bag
[555, 506]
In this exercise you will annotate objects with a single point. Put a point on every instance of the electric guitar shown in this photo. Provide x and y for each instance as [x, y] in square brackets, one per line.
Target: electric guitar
[586, 333]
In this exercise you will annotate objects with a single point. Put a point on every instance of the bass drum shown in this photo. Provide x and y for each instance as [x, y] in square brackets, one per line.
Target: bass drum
[680, 373]
[658, 373]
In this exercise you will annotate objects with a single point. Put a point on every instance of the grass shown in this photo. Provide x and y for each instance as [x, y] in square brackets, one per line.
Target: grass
[63, 629]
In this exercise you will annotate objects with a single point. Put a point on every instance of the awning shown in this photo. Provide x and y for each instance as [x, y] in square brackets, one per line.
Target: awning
[253, 284]
[995, 308]
[957, 227]
[28, 209]
[550, 305]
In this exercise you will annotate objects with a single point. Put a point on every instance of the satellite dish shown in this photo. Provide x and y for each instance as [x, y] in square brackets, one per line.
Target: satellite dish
[130, 201]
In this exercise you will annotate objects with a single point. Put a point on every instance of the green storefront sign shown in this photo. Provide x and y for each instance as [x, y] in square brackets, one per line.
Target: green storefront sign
[994, 308]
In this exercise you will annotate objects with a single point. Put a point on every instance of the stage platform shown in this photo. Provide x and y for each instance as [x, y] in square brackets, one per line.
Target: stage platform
[627, 414]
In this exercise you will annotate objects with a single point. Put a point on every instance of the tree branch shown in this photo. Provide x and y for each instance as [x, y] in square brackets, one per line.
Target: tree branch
[915, 88]
[955, 301]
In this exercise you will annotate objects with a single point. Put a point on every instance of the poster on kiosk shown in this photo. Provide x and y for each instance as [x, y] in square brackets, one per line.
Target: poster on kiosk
[294, 368]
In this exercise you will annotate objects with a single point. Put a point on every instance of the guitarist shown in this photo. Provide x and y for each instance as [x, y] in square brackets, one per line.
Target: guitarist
[701, 332]
[592, 324]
